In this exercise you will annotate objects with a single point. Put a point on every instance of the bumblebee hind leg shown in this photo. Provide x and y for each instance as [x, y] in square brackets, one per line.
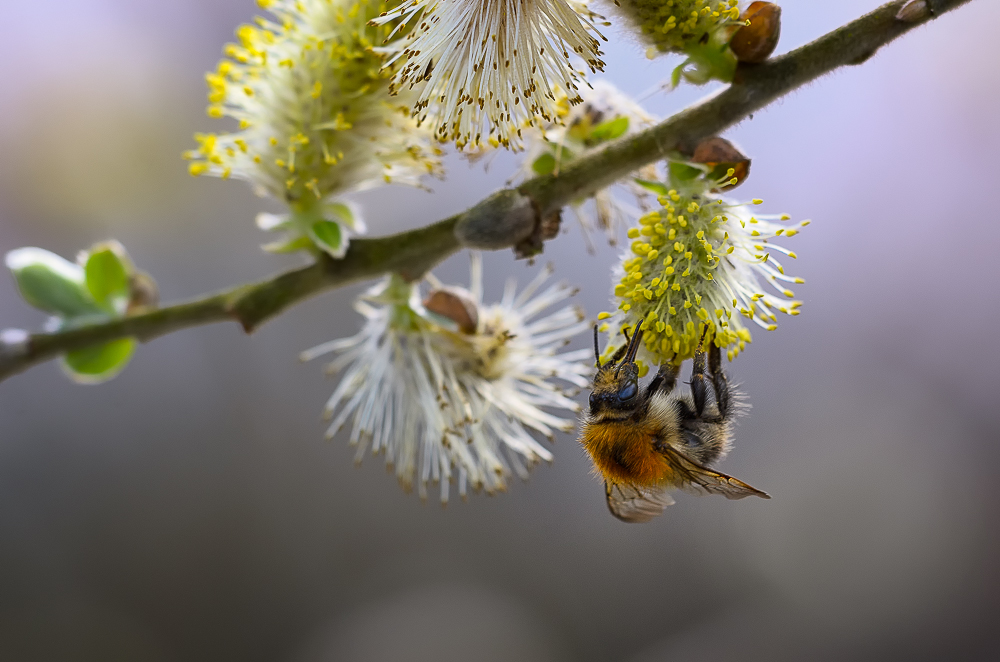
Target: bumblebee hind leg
[707, 436]
[719, 382]
[699, 388]
[720, 385]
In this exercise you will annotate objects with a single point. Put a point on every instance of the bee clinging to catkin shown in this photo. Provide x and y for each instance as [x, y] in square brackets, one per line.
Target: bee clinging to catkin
[646, 441]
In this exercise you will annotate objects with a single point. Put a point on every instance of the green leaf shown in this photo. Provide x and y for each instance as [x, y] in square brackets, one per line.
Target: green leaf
[271, 222]
[107, 279]
[684, 172]
[327, 235]
[608, 130]
[544, 164]
[344, 214]
[655, 187]
[50, 283]
[675, 77]
[93, 365]
[711, 61]
[290, 245]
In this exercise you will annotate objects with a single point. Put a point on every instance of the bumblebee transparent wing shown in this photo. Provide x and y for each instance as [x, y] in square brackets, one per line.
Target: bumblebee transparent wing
[696, 479]
[636, 504]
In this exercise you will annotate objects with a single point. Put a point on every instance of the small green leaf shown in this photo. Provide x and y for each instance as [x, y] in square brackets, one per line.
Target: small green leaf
[290, 244]
[711, 61]
[271, 222]
[675, 77]
[344, 214]
[51, 283]
[93, 365]
[107, 279]
[327, 235]
[655, 187]
[684, 172]
[544, 164]
[608, 130]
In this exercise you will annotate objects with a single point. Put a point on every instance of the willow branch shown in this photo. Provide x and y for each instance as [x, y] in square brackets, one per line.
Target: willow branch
[509, 218]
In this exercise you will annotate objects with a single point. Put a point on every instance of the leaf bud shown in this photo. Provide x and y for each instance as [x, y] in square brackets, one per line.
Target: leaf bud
[913, 11]
[755, 41]
[143, 293]
[457, 305]
[721, 156]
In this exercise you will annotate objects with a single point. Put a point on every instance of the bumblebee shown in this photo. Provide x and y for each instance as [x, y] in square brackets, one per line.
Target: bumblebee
[646, 441]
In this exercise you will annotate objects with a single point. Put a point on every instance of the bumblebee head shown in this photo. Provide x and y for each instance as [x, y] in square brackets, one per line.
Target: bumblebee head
[616, 385]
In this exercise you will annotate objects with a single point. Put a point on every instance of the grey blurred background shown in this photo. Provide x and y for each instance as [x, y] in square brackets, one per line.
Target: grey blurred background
[190, 509]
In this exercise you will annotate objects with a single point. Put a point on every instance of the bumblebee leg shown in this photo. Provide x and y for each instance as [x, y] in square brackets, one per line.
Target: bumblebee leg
[698, 386]
[620, 352]
[665, 379]
[719, 381]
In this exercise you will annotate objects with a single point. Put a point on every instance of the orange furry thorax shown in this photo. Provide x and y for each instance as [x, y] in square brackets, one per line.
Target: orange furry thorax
[625, 451]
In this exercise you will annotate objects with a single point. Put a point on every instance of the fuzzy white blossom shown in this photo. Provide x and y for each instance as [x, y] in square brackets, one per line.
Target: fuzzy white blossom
[445, 403]
[310, 96]
[485, 69]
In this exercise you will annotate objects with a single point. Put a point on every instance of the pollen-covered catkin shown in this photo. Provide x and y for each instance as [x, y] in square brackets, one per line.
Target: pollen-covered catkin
[673, 26]
[315, 119]
[693, 269]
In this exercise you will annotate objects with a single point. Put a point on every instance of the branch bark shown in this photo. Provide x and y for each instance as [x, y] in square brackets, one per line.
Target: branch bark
[500, 221]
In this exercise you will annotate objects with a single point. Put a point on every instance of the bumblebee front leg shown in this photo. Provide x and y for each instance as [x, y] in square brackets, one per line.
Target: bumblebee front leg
[620, 352]
[665, 379]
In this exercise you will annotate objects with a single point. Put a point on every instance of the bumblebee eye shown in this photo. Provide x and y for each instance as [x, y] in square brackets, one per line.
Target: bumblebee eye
[628, 391]
[593, 400]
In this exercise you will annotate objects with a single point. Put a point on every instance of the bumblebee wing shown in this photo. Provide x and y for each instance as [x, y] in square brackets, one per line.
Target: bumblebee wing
[630, 503]
[697, 479]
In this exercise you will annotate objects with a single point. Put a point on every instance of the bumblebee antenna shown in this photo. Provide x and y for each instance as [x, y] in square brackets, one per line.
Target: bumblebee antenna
[633, 347]
[597, 349]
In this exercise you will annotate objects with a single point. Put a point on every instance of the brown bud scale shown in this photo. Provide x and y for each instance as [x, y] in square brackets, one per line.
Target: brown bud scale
[754, 42]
